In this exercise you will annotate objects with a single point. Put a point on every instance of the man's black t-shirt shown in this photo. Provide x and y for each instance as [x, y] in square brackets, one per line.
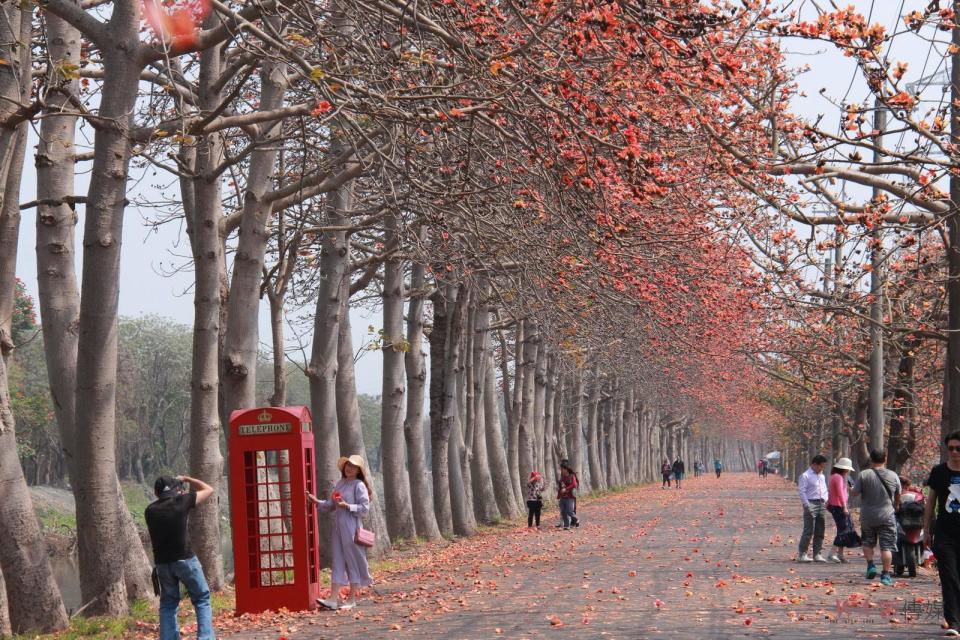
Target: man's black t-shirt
[946, 483]
[167, 523]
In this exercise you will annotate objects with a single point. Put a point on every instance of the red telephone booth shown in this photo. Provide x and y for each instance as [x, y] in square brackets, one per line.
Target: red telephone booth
[277, 563]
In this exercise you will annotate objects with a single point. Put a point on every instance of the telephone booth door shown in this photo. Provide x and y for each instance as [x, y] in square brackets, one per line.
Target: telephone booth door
[276, 559]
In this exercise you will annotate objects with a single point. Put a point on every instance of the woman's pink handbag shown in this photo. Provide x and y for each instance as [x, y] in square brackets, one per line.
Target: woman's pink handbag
[365, 537]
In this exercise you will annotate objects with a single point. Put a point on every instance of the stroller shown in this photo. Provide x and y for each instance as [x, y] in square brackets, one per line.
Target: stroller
[909, 551]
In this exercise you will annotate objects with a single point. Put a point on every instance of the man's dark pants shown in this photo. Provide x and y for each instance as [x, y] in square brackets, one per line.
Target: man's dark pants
[947, 551]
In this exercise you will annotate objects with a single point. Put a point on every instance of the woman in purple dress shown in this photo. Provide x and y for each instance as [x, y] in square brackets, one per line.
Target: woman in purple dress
[350, 499]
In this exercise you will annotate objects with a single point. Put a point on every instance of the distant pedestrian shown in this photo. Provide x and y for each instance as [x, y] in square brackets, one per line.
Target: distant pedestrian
[678, 471]
[812, 487]
[666, 470]
[879, 489]
[566, 495]
[718, 466]
[760, 467]
[764, 468]
[838, 506]
[574, 519]
[176, 563]
[697, 468]
[944, 536]
[350, 499]
[534, 499]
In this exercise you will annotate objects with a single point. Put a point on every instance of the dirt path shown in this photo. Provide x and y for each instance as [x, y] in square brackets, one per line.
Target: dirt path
[712, 560]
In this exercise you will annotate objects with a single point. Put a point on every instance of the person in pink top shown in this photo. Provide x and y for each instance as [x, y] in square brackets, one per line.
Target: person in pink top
[838, 504]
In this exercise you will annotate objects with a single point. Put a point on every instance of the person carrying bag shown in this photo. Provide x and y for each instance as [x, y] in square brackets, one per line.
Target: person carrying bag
[348, 540]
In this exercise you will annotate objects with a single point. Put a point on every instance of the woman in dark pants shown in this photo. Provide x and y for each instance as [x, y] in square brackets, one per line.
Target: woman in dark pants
[534, 499]
[837, 504]
[566, 494]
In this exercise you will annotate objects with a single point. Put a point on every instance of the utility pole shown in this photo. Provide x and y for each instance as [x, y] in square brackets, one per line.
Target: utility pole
[950, 418]
[876, 298]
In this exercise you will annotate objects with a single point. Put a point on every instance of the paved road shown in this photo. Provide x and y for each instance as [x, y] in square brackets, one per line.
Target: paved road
[713, 560]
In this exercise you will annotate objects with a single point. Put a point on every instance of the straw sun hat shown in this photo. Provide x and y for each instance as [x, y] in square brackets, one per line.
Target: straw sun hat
[355, 460]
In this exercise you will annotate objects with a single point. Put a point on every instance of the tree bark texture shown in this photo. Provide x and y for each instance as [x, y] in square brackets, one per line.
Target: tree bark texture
[242, 337]
[33, 596]
[349, 426]
[396, 482]
[527, 432]
[203, 227]
[593, 438]
[99, 514]
[500, 472]
[445, 338]
[324, 357]
[415, 368]
[485, 504]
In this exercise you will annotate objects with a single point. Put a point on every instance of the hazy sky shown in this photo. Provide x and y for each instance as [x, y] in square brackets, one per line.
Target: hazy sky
[155, 273]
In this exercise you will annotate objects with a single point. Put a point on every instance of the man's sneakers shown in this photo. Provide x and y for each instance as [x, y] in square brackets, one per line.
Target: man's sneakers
[349, 604]
[819, 558]
[886, 580]
[804, 557]
[834, 558]
[951, 633]
[871, 571]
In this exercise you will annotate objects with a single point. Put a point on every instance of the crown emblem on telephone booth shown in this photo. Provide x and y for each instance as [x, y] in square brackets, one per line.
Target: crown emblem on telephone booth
[264, 416]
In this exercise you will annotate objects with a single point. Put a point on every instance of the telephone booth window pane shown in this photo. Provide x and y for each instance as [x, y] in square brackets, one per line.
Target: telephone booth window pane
[269, 507]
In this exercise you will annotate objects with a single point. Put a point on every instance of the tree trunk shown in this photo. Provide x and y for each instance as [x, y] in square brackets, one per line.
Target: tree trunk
[574, 434]
[593, 445]
[396, 483]
[511, 404]
[6, 629]
[99, 513]
[349, 426]
[527, 363]
[902, 441]
[856, 433]
[461, 499]
[324, 359]
[444, 359]
[10, 234]
[415, 366]
[33, 598]
[32, 601]
[242, 338]
[279, 396]
[203, 227]
[610, 441]
[465, 411]
[485, 503]
[539, 411]
[496, 453]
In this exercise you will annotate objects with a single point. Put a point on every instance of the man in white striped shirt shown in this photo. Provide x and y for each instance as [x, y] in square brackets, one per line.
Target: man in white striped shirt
[813, 493]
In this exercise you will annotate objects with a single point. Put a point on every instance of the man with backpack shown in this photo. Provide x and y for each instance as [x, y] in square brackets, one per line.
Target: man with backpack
[879, 491]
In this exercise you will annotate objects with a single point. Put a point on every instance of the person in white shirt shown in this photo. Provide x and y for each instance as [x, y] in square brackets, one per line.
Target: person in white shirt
[813, 493]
